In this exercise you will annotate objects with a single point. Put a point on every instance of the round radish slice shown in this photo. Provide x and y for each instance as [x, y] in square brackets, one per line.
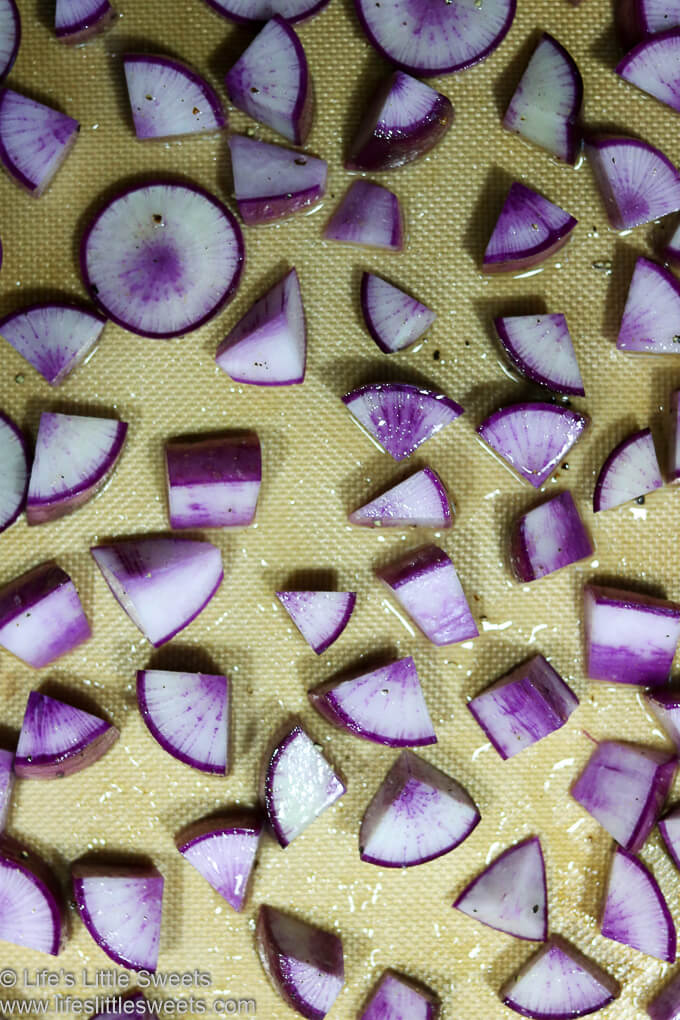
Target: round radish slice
[223, 850]
[529, 230]
[10, 36]
[532, 439]
[162, 259]
[651, 317]
[370, 216]
[637, 19]
[669, 827]
[34, 140]
[6, 785]
[547, 538]
[400, 417]
[540, 347]
[188, 714]
[653, 67]
[664, 702]
[666, 1004]
[320, 616]
[13, 472]
[54, 338]
[262, 10]
[57, 739]
[635, 911]
[396, 997]
[271, 182]
[32, 911]
[394, 320]
[168, 99]
[419, 501]
[630, 471]
[213, 483]
[76, 21]
[41, 617]
[121, 908]
[637, 182]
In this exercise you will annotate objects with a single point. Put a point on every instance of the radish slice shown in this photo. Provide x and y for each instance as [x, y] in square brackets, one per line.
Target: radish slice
[637, 182]
[669, 827]
[394, 320]
[631, 470]
[370, 216]
[637, 19]
[664, 702]
[399, 416]
[396, 998]
[13, 472]
[32, 911]
[630, 638]
[223, 850]
[405, 119]
[304, 964]
[320, 616]
[76, 21]
[674, 445]
[54, 338]
[417, 814]
[426, 585]
[635, 912]
[188, 714]
[547, 538]
[6, 785]
[653, 67]
[162, 259]
[248, 11]
[524, 706]
[271, 82]
[419, 501]
[268, 346]
[386, 705]
[74, 458]
[651, 318]
[533, 438]
[41, 617]
[121, 908]
[34, 140]
[161, 583]
[528, 230]
[57, 739]
[666, 1005]
[271, 182]
[511, 894]
[547, 102]
[540, 347]
[10, 36]
[297, 785]
[213, 483]
[169, 99]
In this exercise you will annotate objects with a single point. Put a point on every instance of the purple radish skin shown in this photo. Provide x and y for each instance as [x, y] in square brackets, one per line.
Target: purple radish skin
[540, 347]
[223, 851]
[34, 140]
[320, 616]
[53, 338]
[213, 483]
[400, 417]
[6, 785]
[652, 66]
[529, 229]
[169, 99]
[369, 216]
[419, 501]
[57, 739]
[669, 827]
[674, 445]
[188, 714]
[630, 471]
[33, 911]
[532, 439]
[635, 912]
[651, 317]
[10, 36]
[252, 11]
[547, 538]
[664, 703]
[41, 617]
[13, 472]
[271, 182]
[637, 183]
[394, 320]
[637, 19]
[397, 997]
[666, 1004]
[77, 21]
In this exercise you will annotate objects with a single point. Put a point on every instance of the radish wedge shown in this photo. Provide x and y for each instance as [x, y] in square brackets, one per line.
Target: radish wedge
[169, 99]
[320, 616]
[188, 714]
[386, 706]
[6, 785]
[121, 908]
[76, 21]
[34, 140]
[161, 583]
[248, 11]
[271, 182]
[368, 215]
[533, 438]
[57, 739]
[53, 338]
[664, 703]
[268, 346]
[631, 470]
[74, 458]
[525, 705]
[271, 82]
[653, 67]
[297, 785]
[426, 585]
[637, 19]
[397, 998]
[635, 912]
[540, 347]
[529, 229]
[666, 1004]
[511, 893]
[13, 472]
[400, 417]
[161, 259]
[547, 102]
[637, 182]
[213, 483]
[404, 120]
[304, 964]
[32, 910]
[223, 850]
[669, 827]
[419, 501]
[417, 814]
[394, 320]
[41, 617]
[10, 36]
[547, 538]
[651, 317]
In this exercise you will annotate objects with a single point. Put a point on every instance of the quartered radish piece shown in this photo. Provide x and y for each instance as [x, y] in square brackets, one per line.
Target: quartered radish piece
[669, 827]
[34, 140]
[304, 964]
[161, 259]
[138, 1009]
[631, 470]
[54, 338]
[547, 538]
[320, 616]
[188, 714]
[271, 182]
[532, 438]
[248, 11]
[13, 472]
[368, 215]
[417, 814]
[666, 1004]
[271, 82]
[630, 638]
[41, 617]
[297, 785]
[651, 317]
[396, 997]
[664, 702]
[673, 466]
[268, 346]
[213, 483]
[637, 182]
[511, 893]
[57, 739]
[169, 99]
[419, 501]
[635, 912]
[10, 36]
[426, 585]
[404, 120]
[399, 416]
[161, 583]
[546, 104]
[528, 230]
[637, 19]
[32, 910]
[6, 785]
[386, 705]
[653, 67]
[76, 21]
[540, 347]
[394, 319]
[223, 850]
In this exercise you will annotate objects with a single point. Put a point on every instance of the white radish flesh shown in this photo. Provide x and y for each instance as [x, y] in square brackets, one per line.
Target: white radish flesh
[369, 216]
[248, 11]
[637, 182]
[532, 438]
[169, 99]
[399, 416]
[41, 617]
[630, 471]
[547, 538]
[32, 914]
[57, 739]
[669, 827]
[271, 182]
[13, 472]
[664, 702]
[77, 21]
[635, 912]
[651, 317]
[529, 229]
[223, 851]
[6, 785]
[540, 346]
[188, 714]
[394, 320]
[320, 616]
[654, 67]
[34, 140]
[53, 338]
[213, 483]
[419, 501]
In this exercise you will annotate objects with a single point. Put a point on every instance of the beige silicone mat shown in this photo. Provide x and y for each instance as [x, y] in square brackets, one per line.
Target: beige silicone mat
[317, 467]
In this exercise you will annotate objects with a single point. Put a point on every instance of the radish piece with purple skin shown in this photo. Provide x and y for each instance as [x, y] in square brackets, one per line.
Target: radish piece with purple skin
[77, 21]
[630, 472]
[369, 216]
[636, 20]
[138, 1010]
[674, 444]
[399, 416]
[213, 483]
[57, 739]
[529, 229]
[320, 616]
[10, 36]
[34, 140]
[637, 183]
[547, 538]
[419, 501]
[664, 703]
[13, 472]
[6, 785]
[540, 347]
[653, 67]
[395, 320]
[669, 827]
[32, 909]
[169, 99]
[249, 11]
[635, 912]
[54, 338]
[397, 998]
[666, 1004]
[271, 182]
[223, 851]
[532, 438]
[651, 317]
[41, 617]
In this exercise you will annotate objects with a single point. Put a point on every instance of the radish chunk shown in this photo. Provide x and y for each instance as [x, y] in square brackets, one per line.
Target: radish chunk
[529, 229]
[304, 964]
[637, 19]
[162, 259]
[370, 216]
[419, 501]
[669, 827]
[57, 739]
[34, 140]
[169, 99]
[635, 911]
[188, 714]
[261, 10]
[631, 470]
[271, 182]
[32, 911]
[417, 814]
[53, 338]
[320, 616]
[540, 347]
[524, 706]
[666, 1005]
[271, 82]
[161, 583]
[41, 617]
[386, 706]
[654, 65]
[637, 182]
[394, 320]
[405, 119]
[10, 36]
[547, 538]
[213, 483]
[664, 703]
[6, 785]
[399, 416]
[223, 850]
[532, 439]
[76, 21]
[396, 998]
[651, 318]
[13, 472]
[297, 785]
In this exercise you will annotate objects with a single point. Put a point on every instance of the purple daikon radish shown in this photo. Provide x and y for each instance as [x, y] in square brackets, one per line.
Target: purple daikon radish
[419, 501]
[540, 347]
[673, 467]
[638, 19]
[13, 472]
[6, 785]
[417, 814]
[666, 1004]
[400, 416]
[637, 182]
[54, 338]
[34, 140]
[161, 583]
[664, 703]
[394, 319]
[320, 616]
[32, 913]
[249, 11]
[653, 67]
[137, 1009]
[41, 617]
[532, 438]
[651, 317]
[271, 182]
[669, 827]
[213, 483]
[397, 998]
[223, 851]
[169, 99]
[635, 912]
[10, 36]
[57, 739]
[529, 229]
[630, 471]
[76, 21]
[369, 216]
[547, 538]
